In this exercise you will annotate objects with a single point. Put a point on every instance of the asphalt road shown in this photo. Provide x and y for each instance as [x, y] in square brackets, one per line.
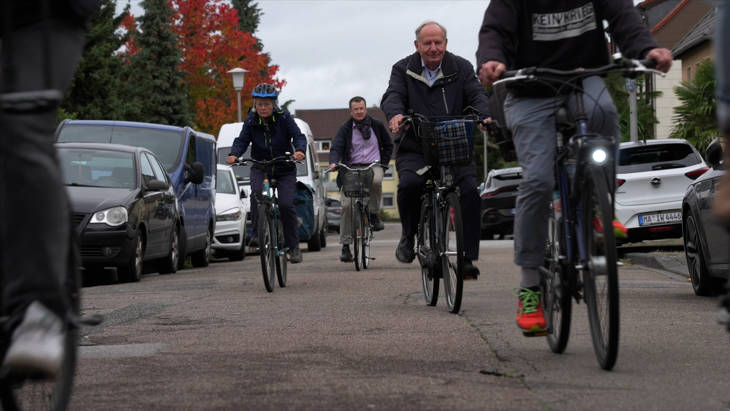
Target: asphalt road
[335, 338]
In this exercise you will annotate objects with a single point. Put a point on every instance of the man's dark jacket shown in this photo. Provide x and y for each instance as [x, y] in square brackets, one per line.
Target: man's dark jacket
[342, 144]
[456, 88]
[24, 12]
[282, 134]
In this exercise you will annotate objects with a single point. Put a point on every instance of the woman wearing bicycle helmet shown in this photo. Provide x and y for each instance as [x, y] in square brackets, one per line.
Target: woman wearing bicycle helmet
[272, 132]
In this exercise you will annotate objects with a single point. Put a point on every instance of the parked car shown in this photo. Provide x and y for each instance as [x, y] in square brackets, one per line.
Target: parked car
[499, 194]
[124, 208]
[189, 159]
[231, 208]
[706, 240]
[308, 173]
[334, 213]
[651, 179]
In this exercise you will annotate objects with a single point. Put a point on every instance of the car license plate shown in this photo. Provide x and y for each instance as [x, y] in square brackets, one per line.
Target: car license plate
[661, 218]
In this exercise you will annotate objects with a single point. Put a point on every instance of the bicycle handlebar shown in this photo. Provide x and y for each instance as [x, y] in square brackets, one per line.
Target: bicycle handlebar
[286, 158]
[626, 66]
[345, 166]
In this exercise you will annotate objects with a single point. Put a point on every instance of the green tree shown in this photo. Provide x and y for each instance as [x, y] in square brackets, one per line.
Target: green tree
[694, 119]
[98, 89]
[157, 80]
[249, 15]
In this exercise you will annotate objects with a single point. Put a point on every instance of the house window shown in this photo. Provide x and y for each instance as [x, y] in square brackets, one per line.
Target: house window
[388, 174]
[323, 145]
[387, 201]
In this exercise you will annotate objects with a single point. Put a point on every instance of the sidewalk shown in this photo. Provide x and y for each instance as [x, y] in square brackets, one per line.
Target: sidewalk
[672, 261]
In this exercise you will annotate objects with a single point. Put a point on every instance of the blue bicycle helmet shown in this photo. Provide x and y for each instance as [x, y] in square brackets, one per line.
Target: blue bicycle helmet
[264, 90]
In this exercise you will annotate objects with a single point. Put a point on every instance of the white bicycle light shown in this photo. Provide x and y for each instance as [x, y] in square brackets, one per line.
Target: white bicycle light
[599, 155]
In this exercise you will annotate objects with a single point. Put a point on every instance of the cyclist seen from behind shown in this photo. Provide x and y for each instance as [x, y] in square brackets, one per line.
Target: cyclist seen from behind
[272, 133]
[435, 83]
[564, 35]
[361, 141]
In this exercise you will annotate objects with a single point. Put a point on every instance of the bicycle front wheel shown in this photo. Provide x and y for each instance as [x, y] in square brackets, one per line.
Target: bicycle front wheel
[452, 243]
[281, 262]
[364, 240]
[50, 394]
[600, 276]
[555, 286]
[426, 250]
[266, 247]
[356, 240]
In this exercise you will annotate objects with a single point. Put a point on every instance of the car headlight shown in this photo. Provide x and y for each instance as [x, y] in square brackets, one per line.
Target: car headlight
[114, 216]
[233, 214]
[599, 155]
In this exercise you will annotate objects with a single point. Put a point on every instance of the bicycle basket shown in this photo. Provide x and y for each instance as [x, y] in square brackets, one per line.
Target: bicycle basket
[356, 183]
[448, 142]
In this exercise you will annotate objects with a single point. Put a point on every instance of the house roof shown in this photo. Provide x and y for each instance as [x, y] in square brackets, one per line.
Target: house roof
[647, 4]
[669, 16]
[325, 122]
[701, 32]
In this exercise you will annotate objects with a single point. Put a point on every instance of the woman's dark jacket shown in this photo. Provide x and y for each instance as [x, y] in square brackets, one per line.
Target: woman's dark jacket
[342, 144]
[269, 138]
[456, 88]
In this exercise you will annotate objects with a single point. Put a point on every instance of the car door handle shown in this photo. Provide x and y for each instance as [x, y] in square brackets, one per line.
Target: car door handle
[656, 181]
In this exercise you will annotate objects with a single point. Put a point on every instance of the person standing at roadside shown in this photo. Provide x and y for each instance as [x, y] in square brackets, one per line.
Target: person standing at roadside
[435, 83]
[361, 141]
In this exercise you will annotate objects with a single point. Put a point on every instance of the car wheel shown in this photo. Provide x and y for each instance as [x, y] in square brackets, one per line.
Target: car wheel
[132, 270]
[202, 258]
[183, 249]
[314, 244]
[702, 283]
[169, 264]
[239, 255]
[323, 237]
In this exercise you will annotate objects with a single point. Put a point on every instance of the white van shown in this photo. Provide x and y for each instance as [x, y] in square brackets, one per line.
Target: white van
[307, 173]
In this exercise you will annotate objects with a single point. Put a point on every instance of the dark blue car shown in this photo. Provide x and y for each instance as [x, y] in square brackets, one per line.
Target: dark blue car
[189, 159]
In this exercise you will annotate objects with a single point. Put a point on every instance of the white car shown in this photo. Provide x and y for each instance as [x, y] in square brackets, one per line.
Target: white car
[652, 178]
[232, 206]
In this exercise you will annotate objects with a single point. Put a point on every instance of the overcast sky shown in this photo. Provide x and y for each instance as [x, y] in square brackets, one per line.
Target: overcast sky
[331, 50]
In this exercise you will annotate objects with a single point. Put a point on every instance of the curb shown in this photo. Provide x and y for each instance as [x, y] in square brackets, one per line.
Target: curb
[670, 263]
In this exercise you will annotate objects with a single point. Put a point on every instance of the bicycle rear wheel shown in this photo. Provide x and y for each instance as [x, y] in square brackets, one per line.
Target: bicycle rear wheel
[281, 262]
[48, 394]
[365, 240]
[266, 247]
[426, 250]
[452, 243]
[555, 287]
[600, 276]
[356, 240]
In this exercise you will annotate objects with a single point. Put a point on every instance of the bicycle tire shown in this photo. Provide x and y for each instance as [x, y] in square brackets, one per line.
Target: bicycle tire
[556, 295]
[600, 276]
[355, 221]
[427, 257]
[452, 243]
[281, 261]
[266, 247]
[365, 240]
[55, 395]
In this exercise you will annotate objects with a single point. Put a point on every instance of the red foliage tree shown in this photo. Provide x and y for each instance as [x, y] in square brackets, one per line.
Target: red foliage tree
[211, 44]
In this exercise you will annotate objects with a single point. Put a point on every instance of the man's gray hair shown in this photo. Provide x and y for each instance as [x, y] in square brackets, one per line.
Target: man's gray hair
[426, 23]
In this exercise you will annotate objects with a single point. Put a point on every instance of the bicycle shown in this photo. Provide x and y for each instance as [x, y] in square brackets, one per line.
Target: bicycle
[270, 230]
[356, 182]
[580, 255]
[36, 392]
[447, 142]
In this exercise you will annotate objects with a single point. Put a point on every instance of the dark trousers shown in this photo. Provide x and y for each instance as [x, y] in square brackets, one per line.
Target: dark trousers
[287, 185]
[410, 190]
[34, 211]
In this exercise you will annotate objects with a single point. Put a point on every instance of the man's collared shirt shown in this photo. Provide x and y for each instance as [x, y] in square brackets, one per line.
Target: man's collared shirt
[431, 75]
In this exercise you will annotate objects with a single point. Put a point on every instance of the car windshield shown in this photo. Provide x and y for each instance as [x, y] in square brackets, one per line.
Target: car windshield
[166, 144]
[224, 183]
[97, 168]
[244, 172]
[656, 157]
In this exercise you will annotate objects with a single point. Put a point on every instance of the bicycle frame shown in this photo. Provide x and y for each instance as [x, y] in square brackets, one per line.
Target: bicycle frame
[268, 199]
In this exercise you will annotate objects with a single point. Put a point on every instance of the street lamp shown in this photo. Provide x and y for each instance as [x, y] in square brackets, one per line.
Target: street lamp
[238, 74]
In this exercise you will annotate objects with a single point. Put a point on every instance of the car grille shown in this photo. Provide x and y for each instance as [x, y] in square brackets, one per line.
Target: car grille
[77, 219]
[96, 251]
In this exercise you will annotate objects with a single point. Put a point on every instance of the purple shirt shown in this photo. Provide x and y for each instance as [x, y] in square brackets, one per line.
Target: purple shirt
[364, 151]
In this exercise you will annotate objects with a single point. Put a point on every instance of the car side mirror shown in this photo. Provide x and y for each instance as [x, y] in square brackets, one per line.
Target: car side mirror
[713, 154]
[194, 173]
[156, 185]
[316, 174]
[243, 194]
